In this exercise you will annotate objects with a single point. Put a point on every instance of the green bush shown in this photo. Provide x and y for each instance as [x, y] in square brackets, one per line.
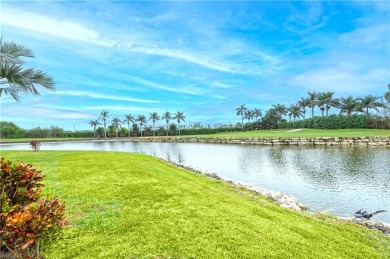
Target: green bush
[203, 131]
[26, 221]
[331, 122]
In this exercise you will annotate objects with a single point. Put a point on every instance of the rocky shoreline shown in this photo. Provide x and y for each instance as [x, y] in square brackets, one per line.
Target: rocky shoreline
[288, 201]
[320, 141]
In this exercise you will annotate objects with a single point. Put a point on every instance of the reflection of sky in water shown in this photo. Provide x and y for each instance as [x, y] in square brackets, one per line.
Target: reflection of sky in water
[338, 180]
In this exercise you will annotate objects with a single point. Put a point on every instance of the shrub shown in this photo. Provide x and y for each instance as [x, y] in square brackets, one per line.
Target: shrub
[35, 145]
[26, 221]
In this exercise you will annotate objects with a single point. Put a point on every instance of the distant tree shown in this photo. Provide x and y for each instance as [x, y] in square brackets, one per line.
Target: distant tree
[387, 94]
[116, 123]
[154, 117]
[241, 111]
[179, 116]
[129, 119]
[280, 110]
[142, 121]
[370, 102]
[248, 115]
[167, 117]
[312, 101]
[173, 129]
[7, 129]
[303, 103]
[295, 111]
[161, 131]
[329, 101]
[270, 120]
[103, 117]
[94, 124]
[348, 105]
[56, 132]
[257, 114]
[15, 76]
[321, 102]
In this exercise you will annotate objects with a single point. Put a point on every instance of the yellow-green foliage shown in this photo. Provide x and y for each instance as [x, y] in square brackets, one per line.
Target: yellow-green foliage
[122, 205]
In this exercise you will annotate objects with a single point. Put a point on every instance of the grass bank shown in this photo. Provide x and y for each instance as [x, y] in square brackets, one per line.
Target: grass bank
[299, 133]
[123, 205]
[27, 140]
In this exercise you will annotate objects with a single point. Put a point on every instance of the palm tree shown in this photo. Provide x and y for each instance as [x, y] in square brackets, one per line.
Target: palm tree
[321, 102]
[295, 111]
[142, 121]
[304, 102]
[18, 78]
[280, 111]
[167, 117]
[179, 116]
[312, 101]
[94, 124]
[241, 111]
[370, 102]
[154, 117]
[348, 105]
[104, 116]
[116, 123]
[256, 114]
[129, 119]
[329, 101]
[248, 115]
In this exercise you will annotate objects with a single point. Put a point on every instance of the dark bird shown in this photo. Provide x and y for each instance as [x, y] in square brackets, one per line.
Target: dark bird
[365, 214]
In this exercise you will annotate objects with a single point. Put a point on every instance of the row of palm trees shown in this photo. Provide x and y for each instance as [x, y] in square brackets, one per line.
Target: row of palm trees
[141, 119]
[323, 100]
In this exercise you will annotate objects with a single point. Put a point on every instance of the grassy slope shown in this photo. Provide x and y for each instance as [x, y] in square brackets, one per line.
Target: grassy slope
[123, 205]
[27, 140]
[283, 133]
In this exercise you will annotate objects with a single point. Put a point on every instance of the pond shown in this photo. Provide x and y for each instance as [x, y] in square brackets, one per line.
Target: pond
[335, 180]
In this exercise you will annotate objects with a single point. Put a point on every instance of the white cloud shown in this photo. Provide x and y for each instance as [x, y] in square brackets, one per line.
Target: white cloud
[185, 90]
[341, 80]
[52, 25]
[125, 109]
[102, 96]
[43, 113]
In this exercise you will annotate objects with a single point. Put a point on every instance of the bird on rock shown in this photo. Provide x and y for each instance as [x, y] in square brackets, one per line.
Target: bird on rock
[365, 214]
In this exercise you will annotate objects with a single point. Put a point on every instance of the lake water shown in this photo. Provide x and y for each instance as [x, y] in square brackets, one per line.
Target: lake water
[335, 180]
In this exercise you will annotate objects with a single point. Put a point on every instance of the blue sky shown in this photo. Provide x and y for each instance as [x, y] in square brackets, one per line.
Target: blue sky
[202, 58]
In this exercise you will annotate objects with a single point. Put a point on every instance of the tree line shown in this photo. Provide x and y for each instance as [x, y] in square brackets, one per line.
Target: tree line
[116, 123]
[324, 101]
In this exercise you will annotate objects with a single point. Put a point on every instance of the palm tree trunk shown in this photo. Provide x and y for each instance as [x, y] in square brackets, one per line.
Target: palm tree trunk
[141, 130]
[154, 129]
[312, 112]
[167, 127]
[105, 132]
[242, 122]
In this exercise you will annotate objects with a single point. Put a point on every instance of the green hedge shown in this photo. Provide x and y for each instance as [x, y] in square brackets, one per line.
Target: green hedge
[203, 131]
[330, 122]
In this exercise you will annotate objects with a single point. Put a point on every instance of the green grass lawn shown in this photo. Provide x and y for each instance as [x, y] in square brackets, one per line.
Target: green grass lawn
[123, 205]
[284, 133]
[20, 140]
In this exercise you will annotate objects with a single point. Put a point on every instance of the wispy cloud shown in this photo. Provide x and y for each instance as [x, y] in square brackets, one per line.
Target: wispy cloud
[185, 90]
[52, 26]
[102, 96]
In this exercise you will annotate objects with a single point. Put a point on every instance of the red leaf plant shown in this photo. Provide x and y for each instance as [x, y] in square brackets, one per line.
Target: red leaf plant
[26, 220]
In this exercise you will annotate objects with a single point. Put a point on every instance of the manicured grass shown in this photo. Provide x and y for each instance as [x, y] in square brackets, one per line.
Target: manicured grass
[123, 205]
[284, 133]
[26, 140]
